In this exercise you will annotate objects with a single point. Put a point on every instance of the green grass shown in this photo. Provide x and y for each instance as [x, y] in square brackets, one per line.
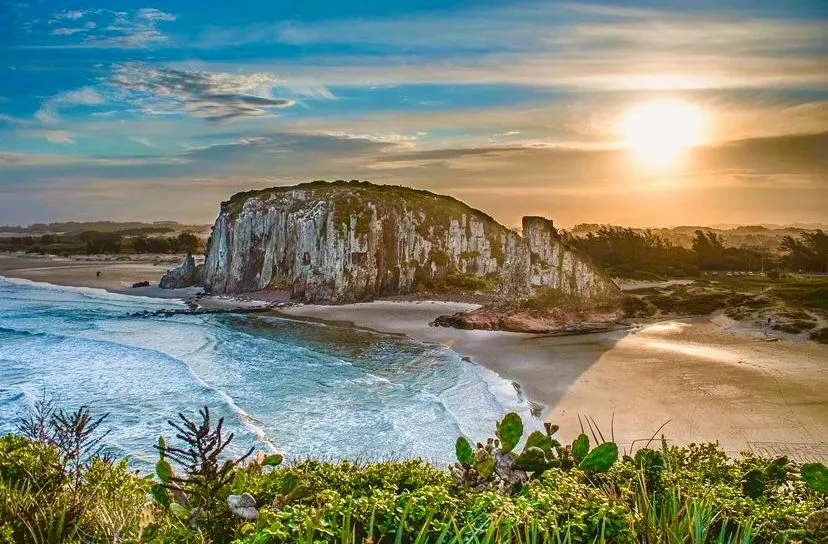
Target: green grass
[552, 298]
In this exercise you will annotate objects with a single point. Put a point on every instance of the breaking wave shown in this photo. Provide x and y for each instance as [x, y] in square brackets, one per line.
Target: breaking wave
[284, 385]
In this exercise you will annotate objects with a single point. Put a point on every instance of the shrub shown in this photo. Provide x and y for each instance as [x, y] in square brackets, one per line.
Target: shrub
[470, 282]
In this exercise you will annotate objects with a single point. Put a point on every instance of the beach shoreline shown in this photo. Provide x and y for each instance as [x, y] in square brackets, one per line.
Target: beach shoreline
[711, 378]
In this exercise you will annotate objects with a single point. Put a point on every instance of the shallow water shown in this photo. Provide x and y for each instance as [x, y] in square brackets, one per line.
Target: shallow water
[304, 389]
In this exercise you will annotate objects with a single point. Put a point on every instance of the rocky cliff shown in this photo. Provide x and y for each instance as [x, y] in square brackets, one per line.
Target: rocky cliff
[350, 241]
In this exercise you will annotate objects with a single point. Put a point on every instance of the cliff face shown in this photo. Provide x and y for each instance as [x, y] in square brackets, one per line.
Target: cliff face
[344, 242]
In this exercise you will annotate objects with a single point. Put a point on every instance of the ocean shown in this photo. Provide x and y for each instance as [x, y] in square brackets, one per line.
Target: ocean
[304, 389]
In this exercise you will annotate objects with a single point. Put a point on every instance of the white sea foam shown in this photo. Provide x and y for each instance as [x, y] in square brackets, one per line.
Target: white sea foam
[308, 389]
[95, 292]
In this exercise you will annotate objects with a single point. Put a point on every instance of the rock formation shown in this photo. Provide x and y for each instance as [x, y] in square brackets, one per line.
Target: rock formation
[350, 241]
[186, 274]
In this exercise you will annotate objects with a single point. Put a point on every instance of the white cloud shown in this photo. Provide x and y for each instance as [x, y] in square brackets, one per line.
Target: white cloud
[206, 95]
[152, 14]
[100, 28]
[50, 109]
[67, 31]
[143, 141]
[72, 15]
[59, 136]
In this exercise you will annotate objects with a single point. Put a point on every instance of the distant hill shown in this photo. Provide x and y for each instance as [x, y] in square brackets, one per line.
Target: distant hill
[70, 227]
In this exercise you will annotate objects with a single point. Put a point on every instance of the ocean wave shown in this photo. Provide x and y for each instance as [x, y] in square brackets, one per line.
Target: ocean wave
[20, 332]
[94, 293]
[310, 388]
[243, 416]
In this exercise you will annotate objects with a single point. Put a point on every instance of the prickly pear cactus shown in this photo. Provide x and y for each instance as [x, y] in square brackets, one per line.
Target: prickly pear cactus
[497, 466]
[509, 431]
[600, 459]
[580, 447]
[464, 452]
[815, 476]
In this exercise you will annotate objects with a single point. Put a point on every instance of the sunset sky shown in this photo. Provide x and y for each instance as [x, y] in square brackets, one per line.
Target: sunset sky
[162, 110]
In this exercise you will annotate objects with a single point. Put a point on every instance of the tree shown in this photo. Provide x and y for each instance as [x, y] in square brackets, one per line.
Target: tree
[188, 243]
[808, 253]
[101, 242]
[627, 253]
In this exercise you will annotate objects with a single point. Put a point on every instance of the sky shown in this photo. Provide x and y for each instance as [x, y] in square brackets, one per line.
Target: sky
[142, 110]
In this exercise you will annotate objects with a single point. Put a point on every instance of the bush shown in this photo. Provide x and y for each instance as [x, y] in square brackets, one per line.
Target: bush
[553, 298]
[470, 282]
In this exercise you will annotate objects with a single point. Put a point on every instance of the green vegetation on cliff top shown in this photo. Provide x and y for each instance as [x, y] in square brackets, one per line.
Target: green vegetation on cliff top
[353, 196]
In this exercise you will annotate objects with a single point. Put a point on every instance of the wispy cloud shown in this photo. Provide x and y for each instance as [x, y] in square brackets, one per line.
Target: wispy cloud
[210, 96]
[142, 141]
[12, 159]
[554, 45]
[50, 109]
[59, 136]
[105, 28]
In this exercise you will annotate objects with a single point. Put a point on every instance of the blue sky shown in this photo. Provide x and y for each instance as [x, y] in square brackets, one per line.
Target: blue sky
[161, 110]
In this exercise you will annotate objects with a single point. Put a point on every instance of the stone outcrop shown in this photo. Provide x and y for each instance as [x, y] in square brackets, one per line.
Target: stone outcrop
[186, 274]
[551, 321]
[351, 241]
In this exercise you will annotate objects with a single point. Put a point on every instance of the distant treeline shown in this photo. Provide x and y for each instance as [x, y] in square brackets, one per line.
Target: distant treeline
[761, 237]
[630, 253]
[94, 242]
[123, 227]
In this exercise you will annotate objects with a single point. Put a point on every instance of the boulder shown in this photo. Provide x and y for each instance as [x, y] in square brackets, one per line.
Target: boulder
[186, 274]
[243, 506]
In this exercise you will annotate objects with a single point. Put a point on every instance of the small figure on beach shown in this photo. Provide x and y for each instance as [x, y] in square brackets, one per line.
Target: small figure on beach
[98, 274]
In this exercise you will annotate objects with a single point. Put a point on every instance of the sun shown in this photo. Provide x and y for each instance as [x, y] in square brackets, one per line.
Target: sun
[659, 131]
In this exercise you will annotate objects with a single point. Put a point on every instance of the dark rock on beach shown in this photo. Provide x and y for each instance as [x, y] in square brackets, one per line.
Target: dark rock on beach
[186, 274]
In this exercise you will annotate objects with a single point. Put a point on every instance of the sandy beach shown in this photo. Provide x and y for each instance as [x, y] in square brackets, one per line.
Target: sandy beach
[710, 378]
[115, 275]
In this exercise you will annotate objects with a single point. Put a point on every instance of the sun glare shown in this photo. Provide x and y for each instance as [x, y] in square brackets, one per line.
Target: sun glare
[659, 131]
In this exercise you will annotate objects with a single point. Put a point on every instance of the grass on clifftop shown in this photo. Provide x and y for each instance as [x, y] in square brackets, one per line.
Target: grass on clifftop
[56, 486]
[364, 190]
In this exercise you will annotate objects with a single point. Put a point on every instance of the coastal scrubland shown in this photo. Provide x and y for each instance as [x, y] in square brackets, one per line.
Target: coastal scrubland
[791, 305]
[647, 255]
[59, 485]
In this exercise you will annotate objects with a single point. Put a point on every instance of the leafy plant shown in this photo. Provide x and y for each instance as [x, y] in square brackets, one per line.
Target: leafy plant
[497, 466]
[195, 496]
[815, 476]
[74, 434]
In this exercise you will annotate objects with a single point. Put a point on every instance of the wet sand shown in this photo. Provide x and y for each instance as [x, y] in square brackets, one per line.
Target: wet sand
[711, 380]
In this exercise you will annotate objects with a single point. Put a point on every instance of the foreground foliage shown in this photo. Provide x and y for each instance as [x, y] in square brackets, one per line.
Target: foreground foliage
[56, 486]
